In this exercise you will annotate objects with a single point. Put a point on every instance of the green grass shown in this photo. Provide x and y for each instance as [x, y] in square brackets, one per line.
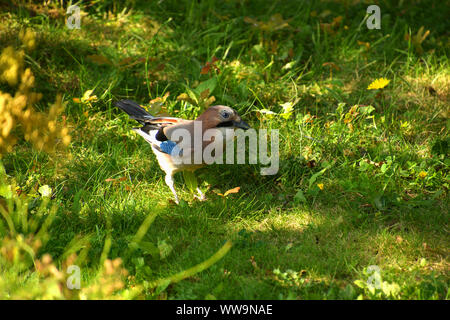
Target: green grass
[291, 239]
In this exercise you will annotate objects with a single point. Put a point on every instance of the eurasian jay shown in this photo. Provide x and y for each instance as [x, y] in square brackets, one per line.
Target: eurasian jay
[163, 134]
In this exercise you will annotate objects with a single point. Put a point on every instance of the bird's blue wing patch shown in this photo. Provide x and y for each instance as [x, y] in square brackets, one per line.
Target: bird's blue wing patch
[168, 146]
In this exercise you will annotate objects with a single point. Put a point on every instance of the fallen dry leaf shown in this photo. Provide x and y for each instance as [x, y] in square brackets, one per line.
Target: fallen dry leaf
[311, 164]
[209, 65]
[99, 59]
[234, 190]
[117, 180]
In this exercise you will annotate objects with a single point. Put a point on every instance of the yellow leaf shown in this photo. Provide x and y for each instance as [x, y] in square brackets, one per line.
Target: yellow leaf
[87, 94]
[184, 97]
[288, 109]
[267, 113]
[320, 185]
[92, 98]
[209, 101]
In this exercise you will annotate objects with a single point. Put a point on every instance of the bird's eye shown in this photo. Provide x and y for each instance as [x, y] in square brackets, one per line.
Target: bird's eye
[225, 115]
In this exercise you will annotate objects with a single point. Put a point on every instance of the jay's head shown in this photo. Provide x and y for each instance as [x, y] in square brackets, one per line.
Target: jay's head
[222, 116]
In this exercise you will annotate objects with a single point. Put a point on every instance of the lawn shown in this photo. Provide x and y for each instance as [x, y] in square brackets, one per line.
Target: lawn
[359, 208]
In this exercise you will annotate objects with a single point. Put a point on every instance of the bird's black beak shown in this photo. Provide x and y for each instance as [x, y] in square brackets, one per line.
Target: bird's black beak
[241, 124]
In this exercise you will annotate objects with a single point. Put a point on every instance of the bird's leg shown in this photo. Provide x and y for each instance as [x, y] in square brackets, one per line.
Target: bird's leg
[192, 183]
[170, 183]
[201, 195]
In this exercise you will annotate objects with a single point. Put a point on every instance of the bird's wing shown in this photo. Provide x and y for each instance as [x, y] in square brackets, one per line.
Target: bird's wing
[151, 137]
[153, 132]
[157, 123]
[153, 129]
[138, 113]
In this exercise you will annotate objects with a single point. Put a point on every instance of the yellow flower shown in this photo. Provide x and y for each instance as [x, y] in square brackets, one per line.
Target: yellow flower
[378, 84]
[422, 174]
[320, 185]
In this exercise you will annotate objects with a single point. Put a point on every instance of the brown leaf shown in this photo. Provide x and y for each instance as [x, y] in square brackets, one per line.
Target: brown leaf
[125, 61]
[252, 21]
[128, 62]
[291, 53]
[19, 191]
[204, 94]
[209, 65]
[376, 164]
[205, 69]
[160, 67]
[348, 153]
[311, 164]
[276, 22]
[117, 180]
[99, 59]
[331, 65]
[253, 262]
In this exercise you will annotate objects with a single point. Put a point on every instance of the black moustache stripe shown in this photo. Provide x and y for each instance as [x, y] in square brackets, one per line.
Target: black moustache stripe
[225, 124]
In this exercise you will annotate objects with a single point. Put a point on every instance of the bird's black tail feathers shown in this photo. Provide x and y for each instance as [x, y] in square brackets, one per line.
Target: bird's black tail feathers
[134, 110]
